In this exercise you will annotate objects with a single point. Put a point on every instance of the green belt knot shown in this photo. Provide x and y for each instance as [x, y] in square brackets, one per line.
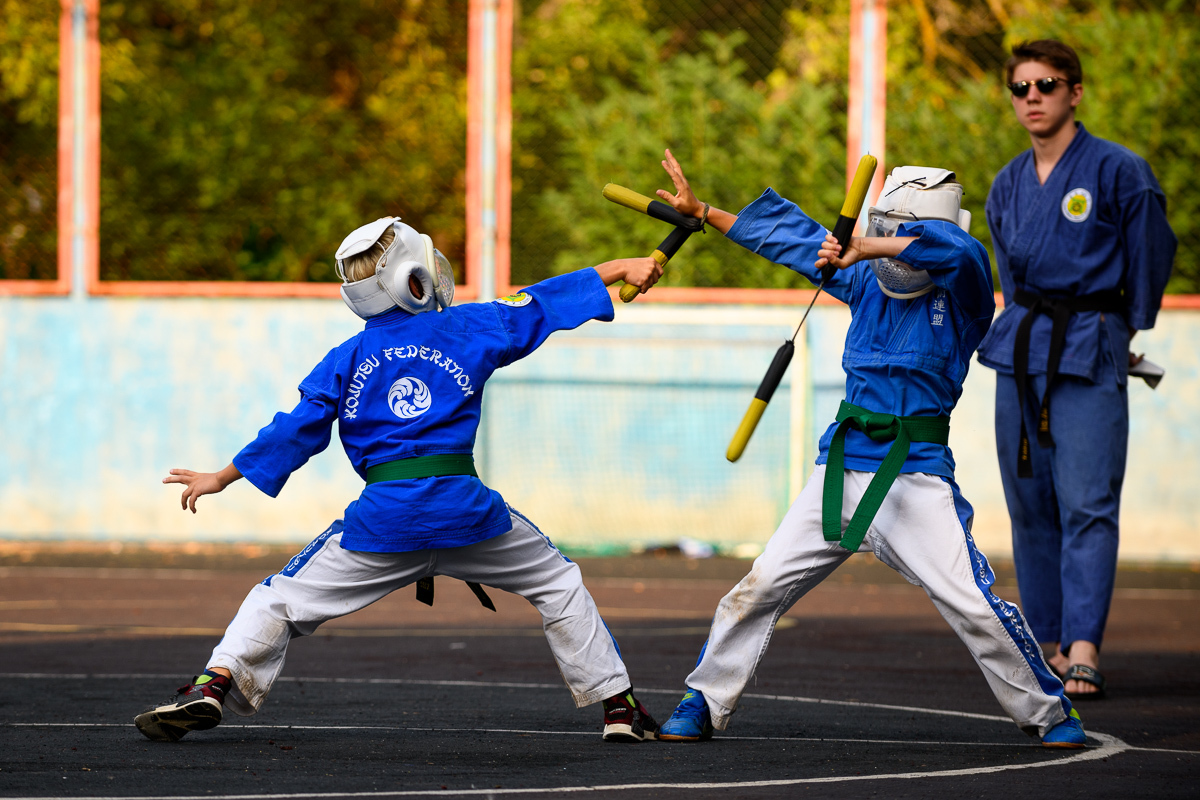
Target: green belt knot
[902, 432]
[880, 427]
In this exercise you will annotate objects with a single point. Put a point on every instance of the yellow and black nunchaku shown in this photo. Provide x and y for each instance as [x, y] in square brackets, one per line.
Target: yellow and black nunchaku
[684, 227]
[842, 231]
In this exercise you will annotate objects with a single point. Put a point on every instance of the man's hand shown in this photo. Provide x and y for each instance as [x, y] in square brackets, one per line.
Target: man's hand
[641, 272]
[201, 483]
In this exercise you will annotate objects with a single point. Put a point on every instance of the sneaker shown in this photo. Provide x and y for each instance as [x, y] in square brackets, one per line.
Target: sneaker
[195, 707]
[1067, 734]
[627, 720]
[690, 722]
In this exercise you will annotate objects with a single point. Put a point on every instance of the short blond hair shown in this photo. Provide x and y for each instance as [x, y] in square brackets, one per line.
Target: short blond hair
[362, 265]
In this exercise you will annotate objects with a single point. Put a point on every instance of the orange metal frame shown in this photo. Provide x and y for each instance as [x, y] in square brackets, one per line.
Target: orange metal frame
[88, 182]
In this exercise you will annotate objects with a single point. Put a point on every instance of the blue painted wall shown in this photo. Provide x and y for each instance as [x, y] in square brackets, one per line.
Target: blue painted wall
[608, 437]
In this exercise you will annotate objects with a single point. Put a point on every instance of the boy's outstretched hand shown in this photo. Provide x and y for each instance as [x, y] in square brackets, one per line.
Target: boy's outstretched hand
[201, 483]
[684, 200]
[641, 272]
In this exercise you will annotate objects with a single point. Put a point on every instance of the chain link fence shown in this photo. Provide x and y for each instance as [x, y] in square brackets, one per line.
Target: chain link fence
[241, 140]
[753, 94]
[244, 140]
[948, 106]
[746, 94]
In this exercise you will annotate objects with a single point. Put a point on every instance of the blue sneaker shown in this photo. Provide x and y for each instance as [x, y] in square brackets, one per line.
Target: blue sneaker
[690, 722]
[1067, 734]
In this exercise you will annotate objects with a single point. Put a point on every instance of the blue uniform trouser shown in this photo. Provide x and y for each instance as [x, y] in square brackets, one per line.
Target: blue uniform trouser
[1064, 518]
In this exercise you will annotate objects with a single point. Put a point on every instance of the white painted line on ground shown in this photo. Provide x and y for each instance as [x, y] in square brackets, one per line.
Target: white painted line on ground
[1109, 746]
[1163, 750]
[543, 732]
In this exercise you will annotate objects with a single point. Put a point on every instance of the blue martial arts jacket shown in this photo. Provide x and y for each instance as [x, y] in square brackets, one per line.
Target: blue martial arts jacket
[1099, 223]
[412, 385]
[903, 357]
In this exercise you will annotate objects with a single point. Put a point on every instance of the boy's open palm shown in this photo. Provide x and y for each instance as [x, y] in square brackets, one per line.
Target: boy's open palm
[198, 484]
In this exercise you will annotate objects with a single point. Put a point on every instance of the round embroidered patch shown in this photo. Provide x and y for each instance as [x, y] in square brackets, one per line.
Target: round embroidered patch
[516, 300]
[1077, 205]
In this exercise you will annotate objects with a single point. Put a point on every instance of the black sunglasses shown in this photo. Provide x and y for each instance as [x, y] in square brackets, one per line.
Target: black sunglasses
[1045, 86]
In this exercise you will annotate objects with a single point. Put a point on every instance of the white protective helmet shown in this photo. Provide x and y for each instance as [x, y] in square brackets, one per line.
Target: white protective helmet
[410, 254]
[910, 194]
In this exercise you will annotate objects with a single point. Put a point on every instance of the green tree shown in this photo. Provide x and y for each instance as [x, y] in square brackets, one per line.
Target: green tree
[947, 104]
[28, 138]
[735, 135]
[243, 141]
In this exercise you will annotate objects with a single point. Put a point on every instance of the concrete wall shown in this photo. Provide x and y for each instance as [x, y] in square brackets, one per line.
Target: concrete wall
[610, 436]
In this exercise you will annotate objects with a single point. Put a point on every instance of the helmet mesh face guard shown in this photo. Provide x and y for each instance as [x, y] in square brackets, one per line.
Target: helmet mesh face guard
[410, 255]
[911, 194]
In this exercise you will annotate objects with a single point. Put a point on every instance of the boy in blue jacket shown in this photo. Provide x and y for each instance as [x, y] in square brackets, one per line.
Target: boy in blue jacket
[920, 294]
[406, 394]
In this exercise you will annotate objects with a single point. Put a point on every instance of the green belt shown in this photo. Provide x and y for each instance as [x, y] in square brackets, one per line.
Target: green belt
[881, 428]
[423, 467]
[438, 466]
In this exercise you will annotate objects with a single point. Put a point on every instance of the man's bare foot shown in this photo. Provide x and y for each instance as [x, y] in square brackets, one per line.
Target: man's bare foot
[1055, 658]
[1085, 653]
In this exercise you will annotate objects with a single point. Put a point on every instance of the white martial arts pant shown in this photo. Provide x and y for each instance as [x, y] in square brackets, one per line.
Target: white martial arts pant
[922, 530]
[324, 582]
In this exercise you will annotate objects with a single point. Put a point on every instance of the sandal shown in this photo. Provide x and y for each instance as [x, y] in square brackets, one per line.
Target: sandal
[1081, 672]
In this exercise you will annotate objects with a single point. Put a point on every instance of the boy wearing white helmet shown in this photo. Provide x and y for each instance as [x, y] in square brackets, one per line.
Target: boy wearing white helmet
[919, 288]
[406, 393]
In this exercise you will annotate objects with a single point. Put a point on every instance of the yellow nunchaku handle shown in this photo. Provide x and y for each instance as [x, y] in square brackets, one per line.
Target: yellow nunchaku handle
[842, 231]
[684, 226]
[626, 197]
[669, 247]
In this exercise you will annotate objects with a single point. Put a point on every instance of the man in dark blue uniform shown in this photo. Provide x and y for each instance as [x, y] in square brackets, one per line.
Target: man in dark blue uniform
[1084, 251]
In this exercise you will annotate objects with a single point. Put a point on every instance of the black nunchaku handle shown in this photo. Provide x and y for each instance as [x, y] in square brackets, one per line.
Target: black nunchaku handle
[843, 230]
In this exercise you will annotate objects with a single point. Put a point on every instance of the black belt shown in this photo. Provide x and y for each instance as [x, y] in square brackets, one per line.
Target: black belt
[1060, 310]
[435, 466]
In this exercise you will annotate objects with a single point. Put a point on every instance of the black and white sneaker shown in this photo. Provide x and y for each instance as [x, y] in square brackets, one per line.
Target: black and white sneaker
[627, 720]
[195, 707]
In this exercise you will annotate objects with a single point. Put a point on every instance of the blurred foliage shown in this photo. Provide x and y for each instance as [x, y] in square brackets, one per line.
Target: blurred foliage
[577, 127]
[243, 140]
[28, 138]
[947, 104]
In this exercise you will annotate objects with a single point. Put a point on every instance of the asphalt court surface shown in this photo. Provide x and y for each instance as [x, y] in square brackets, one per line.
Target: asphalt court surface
[864, 692]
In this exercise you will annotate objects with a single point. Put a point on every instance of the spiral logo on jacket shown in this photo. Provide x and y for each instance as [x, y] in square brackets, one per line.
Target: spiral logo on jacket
[409, 398]
[1077, 205]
